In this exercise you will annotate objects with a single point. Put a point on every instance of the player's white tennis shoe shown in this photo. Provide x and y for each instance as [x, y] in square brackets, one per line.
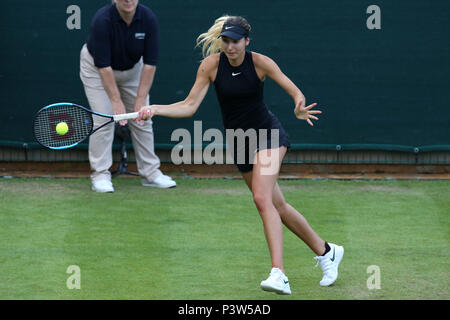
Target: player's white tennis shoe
[102, 186]
[330, 263]
[276, 282]
[160, 182]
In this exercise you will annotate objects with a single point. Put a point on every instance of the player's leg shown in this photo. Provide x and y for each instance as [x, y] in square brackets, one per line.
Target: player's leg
[299, 226]
[329, 255]
[263, 179]
[291, 218]
[297, 223]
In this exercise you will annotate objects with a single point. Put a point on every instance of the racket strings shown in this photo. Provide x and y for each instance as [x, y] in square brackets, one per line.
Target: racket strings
[78, 120]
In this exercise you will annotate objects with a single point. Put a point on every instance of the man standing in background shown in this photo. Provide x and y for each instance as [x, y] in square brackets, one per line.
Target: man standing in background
[117, 68]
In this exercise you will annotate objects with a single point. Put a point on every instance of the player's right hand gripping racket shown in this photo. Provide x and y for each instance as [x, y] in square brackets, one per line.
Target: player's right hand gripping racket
[79, 124]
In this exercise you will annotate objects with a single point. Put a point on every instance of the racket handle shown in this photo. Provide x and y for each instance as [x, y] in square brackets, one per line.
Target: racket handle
[125, 116]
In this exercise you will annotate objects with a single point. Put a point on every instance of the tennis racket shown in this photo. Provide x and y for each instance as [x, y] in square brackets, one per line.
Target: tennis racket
[79, 124]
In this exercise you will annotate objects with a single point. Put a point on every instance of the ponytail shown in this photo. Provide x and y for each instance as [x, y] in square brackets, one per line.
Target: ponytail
[210, 41]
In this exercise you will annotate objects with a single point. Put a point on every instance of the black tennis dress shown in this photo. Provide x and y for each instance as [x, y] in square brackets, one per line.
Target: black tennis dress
[241, 98]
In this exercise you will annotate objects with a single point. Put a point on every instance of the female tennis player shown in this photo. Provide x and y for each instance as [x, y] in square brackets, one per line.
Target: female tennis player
[238, 76]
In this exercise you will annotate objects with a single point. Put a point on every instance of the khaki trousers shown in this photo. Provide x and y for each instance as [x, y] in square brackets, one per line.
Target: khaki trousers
[100, 143]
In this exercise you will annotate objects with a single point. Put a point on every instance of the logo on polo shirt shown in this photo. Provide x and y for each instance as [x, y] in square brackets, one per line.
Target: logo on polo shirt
[139, 35]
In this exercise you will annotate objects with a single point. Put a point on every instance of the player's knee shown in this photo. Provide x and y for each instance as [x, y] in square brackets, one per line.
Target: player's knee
[261, 200]
[281, 206]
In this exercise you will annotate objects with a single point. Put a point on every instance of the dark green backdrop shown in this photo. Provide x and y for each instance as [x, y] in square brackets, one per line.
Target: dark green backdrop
[383, 87]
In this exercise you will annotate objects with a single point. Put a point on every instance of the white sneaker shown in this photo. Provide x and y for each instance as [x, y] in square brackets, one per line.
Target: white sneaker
[102, 186]
[166, 177]
[276, 282]
[330, 263]
[159, 182]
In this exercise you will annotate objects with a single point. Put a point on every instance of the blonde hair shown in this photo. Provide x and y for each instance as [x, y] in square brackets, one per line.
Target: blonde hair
[210, 41]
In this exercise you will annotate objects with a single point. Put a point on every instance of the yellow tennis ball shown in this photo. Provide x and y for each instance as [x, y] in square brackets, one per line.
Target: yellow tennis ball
[62, 128]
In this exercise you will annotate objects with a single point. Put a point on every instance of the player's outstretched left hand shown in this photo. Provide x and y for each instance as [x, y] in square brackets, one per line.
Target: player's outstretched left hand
[305, 113]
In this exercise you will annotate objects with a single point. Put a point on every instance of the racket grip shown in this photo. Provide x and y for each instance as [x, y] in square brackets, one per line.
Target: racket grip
[126, 116]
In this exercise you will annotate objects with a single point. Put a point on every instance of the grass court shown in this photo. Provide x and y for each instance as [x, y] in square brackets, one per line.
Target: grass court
[204, 239]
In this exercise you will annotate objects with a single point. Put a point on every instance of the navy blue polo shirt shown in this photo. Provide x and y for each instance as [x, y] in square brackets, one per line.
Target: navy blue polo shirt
[112, 43]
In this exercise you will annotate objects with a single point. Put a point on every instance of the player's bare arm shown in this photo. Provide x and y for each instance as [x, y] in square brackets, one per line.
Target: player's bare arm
[265, 66]
[187, 107]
